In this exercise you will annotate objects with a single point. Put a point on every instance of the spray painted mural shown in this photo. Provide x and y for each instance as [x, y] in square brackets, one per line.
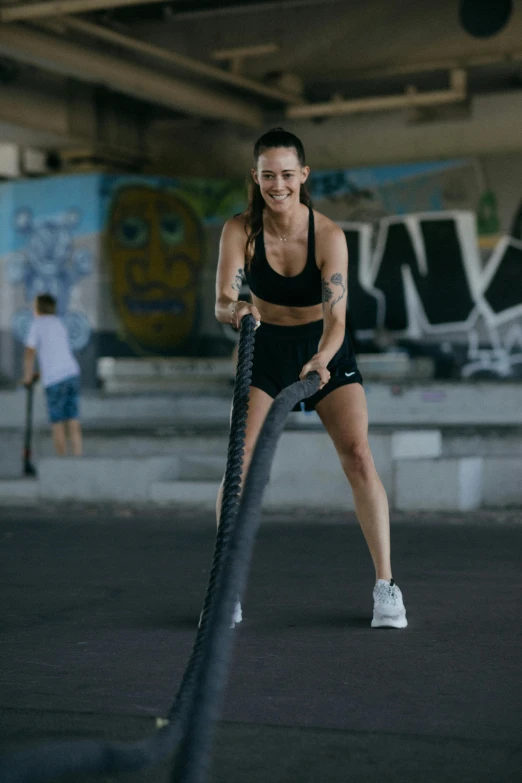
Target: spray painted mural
[143, 238]
[47, 257]
[155, 245]
[443, 277]
[156, 249]
[424, 280]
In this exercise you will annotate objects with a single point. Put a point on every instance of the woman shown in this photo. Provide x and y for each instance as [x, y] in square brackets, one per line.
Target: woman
[295, 261]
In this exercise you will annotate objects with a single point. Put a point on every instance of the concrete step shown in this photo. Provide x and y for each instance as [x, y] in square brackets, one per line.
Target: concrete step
[395, 366]
[103, 479]
[430, 404]
[215, 374]
[23, 491]
[503, 481]
[412, 444]
[202, 467]
[305, 473]
[439, 484]
[180, 374]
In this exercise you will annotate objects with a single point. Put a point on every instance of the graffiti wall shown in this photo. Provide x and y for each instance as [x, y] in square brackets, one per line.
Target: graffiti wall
[429, 263]
[435, 261]
[48, 244]
[156, 252]
[125, 257]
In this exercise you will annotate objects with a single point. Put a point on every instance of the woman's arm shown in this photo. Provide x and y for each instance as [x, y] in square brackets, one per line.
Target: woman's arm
[334, 282]
[230, 273]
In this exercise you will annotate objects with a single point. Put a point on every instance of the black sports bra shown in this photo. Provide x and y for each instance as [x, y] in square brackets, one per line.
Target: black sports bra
[300, 290]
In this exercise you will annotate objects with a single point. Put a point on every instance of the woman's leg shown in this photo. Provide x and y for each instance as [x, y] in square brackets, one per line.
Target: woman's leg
[258, 407]
[345, 417]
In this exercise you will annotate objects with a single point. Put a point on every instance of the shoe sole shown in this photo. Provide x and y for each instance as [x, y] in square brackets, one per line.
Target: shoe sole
[237, 618]
[235, 621]
[383, 621]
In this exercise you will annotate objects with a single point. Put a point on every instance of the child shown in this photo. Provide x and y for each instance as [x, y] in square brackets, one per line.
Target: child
[59, 371]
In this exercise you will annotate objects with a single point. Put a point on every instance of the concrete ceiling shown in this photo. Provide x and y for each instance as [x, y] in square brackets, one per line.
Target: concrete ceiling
[197, 59]
[323, 39]
[327, 44]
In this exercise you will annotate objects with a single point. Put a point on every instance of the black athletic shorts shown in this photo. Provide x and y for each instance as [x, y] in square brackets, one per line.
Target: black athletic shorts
[281, 352]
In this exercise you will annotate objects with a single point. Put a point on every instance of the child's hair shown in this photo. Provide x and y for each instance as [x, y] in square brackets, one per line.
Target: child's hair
[45, 304]
[277, 137]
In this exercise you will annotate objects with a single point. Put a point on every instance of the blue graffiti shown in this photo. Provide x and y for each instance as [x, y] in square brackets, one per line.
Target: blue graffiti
[49, 263]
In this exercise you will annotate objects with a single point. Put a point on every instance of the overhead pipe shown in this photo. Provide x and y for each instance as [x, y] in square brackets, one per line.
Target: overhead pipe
[410, 99]
[429, 66]
[57, 55]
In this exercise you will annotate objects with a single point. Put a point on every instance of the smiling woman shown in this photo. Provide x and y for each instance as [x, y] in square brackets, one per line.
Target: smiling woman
[295, 261]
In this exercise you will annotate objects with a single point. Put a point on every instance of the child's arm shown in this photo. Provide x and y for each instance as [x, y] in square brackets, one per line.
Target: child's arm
[29, 357]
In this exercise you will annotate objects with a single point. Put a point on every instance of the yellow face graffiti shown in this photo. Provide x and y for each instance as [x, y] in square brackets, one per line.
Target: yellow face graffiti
[156, 247]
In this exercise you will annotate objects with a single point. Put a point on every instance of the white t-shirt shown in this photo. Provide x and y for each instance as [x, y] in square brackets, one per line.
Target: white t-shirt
[55, 358]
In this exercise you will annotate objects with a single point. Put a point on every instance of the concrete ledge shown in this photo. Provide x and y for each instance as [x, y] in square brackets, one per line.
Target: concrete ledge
[503, 481]
[408, 404]
[19, 491]
[185, 493]
[438, 484]
[164, 375]
[412, 444]
[203, 467]
[394, 365]
[103, 478]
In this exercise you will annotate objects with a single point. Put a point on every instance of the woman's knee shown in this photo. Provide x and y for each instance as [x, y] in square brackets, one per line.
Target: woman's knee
[357, 461]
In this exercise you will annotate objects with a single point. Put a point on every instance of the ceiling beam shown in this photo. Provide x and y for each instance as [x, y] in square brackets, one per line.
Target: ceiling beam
[83, 63]
[234, 8]
[20, 12]
[188, 63]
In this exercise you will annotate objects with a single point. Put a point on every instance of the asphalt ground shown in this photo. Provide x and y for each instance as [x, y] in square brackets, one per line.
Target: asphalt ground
[99, 608]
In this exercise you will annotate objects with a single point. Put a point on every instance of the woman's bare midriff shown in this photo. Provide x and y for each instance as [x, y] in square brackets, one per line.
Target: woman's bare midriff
[280, 315]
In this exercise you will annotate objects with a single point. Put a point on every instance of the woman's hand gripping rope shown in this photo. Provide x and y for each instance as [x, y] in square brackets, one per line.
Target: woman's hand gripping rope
[240, 309]
[316, 364]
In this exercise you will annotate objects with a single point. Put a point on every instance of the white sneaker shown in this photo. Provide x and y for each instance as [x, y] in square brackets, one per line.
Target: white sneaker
[236, 617]
[388, 606]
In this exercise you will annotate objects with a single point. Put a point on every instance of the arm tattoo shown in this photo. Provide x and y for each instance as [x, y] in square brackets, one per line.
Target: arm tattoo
[238, 280]
[327, 292]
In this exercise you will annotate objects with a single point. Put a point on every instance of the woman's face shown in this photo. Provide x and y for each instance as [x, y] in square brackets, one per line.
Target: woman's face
[280, 176]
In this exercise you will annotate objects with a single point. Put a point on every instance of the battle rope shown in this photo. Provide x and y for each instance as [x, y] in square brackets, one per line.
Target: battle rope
[194, 753]
[49, 761]
[197, 703]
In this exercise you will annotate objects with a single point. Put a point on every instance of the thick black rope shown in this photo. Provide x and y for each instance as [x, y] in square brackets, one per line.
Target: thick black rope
[197, 703]
[51, 761]
[194, 754]
[229, 508]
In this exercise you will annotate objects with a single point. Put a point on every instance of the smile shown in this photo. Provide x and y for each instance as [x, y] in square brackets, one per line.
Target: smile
[279, 198]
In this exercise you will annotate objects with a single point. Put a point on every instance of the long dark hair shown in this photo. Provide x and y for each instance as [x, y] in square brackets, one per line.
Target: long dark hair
[277, 137]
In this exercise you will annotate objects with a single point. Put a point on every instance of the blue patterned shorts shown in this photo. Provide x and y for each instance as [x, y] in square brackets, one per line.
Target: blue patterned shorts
[63, 399]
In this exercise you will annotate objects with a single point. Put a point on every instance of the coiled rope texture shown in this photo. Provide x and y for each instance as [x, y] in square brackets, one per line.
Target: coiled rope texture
[197, 704]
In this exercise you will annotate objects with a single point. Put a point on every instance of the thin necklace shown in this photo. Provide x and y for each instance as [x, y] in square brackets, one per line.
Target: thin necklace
[284, 237]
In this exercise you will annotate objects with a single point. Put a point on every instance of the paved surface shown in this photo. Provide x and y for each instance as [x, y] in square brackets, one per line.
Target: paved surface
[98, 615]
